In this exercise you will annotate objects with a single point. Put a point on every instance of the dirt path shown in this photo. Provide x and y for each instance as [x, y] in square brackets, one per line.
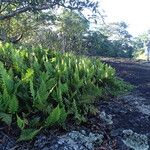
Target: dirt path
[131, 112]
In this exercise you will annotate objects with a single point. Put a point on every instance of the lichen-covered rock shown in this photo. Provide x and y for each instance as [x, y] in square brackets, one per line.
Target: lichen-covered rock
[75, 140]
[135, 141]
[106, 118]
[138, 102]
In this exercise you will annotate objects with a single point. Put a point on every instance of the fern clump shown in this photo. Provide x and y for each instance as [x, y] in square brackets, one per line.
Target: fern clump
[43, 88]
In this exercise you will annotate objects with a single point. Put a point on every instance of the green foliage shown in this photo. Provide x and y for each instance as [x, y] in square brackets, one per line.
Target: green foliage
[14, 8]
[43, 88]
[6, 118]
[111, 40]
[72, 26]
[57, 116]
[20, 123]
[28, 134]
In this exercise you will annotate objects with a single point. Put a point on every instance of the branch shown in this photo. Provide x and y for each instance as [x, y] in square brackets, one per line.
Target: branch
[16, 38]
[25, 9]
[14, 13]
[47, 5]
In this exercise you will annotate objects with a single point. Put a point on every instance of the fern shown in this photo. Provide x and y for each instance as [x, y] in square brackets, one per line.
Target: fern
[13, 105]
[28, 134]
[54, 116]
[20, 123]
[7, 118]
[33, 81]
[63, 116]
[32, 89]
[28, 75]
[8, 83]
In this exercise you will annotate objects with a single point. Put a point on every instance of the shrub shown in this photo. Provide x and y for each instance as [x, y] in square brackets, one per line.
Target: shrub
[42, 88]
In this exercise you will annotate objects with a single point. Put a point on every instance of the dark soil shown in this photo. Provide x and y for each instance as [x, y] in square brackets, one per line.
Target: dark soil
[125, 114]
[137, 74]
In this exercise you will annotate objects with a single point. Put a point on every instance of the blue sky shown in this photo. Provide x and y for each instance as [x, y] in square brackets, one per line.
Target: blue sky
[136, 13]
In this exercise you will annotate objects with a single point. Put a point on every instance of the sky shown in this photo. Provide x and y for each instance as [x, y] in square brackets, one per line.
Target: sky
[136, 13]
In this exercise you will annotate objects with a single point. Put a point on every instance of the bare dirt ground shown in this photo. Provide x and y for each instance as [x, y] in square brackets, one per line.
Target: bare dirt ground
[136, 73]
[131, 111]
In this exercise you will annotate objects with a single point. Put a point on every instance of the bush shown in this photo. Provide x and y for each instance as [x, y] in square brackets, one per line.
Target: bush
[41, 88]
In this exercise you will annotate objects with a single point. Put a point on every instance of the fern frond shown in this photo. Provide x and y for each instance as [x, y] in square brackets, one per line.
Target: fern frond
[28, 134]
[20, 122]
[53, 117]
[13, 105]
[7, 118]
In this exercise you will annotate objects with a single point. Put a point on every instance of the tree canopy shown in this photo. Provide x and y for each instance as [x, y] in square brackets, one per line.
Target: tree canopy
[61, 25]
[12, 8]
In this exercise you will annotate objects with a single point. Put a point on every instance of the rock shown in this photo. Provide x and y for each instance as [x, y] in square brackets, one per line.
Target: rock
[138, 102]
[135, 141]
[145, 109]
[7, 142]
[75, 140]
[41, 141]
[106, 118]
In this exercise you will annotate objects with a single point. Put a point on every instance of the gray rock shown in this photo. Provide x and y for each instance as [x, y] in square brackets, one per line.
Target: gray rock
[145, 109]
[76, 140]
[135, 141]
[138, 102]
[106, 118]
[41, 141]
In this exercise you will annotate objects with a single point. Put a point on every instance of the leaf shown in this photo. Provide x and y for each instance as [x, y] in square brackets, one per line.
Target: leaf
[64, 87]
[51, 83]
[20, 123]
[28, 75]
[53, 117]
[35, 122]
[8, 83]
[13, 105]
[63, 116]
[42, 93]
[32, 89]
[28, 134]
[7, 118]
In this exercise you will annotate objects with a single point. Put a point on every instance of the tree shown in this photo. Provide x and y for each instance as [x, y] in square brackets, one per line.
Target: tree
[72, 28]
[19, 18]
[97, 43]
[141, 43]
[122, 43]
[12, 8]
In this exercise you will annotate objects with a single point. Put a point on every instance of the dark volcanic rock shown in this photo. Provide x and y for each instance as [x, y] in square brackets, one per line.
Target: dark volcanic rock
[131, 112]
[6, 142]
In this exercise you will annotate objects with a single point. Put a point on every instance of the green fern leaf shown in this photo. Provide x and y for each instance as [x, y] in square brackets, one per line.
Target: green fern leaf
[13, 105]
[53, 117]
[8, 83]
[42, 93]
[28, 75]
[28, 134]
[63, 116]
[32, 89]
[7, 118]
[20, 123]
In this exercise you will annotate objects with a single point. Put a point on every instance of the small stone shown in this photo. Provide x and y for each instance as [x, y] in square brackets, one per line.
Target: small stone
[135, 140]
[76, 140]
[106, 118]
